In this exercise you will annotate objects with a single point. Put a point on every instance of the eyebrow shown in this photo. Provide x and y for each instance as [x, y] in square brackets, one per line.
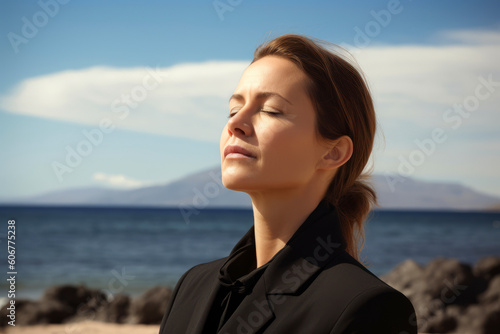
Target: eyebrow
[262, 95]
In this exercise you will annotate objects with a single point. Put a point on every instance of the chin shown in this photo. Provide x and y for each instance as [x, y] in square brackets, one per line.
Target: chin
[236, 184]
[237, 180]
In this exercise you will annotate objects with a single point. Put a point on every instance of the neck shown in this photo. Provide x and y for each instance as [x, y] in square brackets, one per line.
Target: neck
[277, 216]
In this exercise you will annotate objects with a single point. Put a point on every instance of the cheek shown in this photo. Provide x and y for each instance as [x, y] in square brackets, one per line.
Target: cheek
[289, 149]
[223, 140]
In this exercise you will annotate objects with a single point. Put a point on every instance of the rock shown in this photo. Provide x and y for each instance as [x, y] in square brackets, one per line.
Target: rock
[492, 293]
[150, 307]
[491, 324]
[440, 323]
[75, 297]
[117, 310]
[447, 280]
[456, 311]
[59, 304]
[19, 305]
[487, 267]
[405, 277]
[428, 311]
[449, 296]
[480, 319]
[36, 312]
[432, 288]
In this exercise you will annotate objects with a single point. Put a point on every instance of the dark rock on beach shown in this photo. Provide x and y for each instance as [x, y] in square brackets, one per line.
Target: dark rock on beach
[487, 267]
[30, 312]
[448, 296]
[57, 305]
[68, 303]
[73, 297]
[150, 307]
[452, 297]
[116, 310]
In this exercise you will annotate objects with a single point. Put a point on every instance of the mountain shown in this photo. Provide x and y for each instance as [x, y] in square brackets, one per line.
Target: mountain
[410, 193]
[204, 190]
[199, 190]
[495, 207]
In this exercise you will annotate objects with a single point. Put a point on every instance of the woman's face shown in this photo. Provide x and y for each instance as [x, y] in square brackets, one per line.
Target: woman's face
[270, 140]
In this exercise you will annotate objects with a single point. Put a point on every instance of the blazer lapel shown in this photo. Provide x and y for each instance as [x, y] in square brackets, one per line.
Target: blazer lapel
[207, 298]
[313, 245]
[203, 306]
[253, 314]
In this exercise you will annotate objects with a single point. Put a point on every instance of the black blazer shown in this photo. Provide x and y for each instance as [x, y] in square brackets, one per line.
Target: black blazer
[312, 286]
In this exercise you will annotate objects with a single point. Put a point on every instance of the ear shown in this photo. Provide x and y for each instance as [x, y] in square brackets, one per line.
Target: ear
[339, 152]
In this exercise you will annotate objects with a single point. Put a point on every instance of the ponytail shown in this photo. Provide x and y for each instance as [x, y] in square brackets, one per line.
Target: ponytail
[353, 204]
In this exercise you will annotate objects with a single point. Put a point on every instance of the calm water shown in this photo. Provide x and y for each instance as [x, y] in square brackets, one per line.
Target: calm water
[130, 250]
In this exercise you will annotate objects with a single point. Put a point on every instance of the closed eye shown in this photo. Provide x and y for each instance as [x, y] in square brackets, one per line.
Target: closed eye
[271, 113]
[233, 112]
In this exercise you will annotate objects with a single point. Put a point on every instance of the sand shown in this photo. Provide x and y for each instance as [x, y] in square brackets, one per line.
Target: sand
[91, 327]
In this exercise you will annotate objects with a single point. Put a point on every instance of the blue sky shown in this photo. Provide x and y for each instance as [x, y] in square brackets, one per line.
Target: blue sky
[70, 74]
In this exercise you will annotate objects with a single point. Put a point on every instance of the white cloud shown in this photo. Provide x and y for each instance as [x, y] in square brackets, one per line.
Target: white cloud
[411, 83]
[471, 36]
[118, 181]
[186, 100]
[413, 86]
[417, 83]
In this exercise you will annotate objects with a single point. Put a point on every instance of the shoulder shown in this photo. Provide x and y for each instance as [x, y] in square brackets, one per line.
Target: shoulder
[206, 268]
[202, 271]
[190, 287]
[369, 304]
[378, 310]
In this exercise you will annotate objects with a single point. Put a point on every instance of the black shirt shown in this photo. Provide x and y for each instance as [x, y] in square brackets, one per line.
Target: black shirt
[312, 286]
[237, 277]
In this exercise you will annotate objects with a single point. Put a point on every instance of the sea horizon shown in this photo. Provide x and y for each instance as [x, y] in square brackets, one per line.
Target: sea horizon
[95, 245]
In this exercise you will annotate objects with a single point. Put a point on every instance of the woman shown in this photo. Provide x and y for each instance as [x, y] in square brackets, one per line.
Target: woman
[300, 132]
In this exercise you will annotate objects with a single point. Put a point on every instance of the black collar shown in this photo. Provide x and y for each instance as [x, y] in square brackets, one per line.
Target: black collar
[315, 243]
[311, 247]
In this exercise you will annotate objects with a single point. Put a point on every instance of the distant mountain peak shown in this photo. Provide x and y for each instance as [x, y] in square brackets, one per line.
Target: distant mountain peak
[204, 189]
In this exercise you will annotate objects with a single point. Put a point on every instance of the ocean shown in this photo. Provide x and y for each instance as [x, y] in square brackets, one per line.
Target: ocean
[129, 250]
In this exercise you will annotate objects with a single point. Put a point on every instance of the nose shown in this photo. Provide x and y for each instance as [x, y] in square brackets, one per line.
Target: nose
[239, 125]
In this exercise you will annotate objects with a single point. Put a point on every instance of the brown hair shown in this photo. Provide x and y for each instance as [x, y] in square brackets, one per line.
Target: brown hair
[343, 106]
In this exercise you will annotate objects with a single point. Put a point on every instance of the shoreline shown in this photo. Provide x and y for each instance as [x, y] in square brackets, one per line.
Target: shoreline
[86, 326]
[448, 296]
[93, 327]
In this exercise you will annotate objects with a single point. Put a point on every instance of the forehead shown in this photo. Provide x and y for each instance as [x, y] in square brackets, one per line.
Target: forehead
[272, 73]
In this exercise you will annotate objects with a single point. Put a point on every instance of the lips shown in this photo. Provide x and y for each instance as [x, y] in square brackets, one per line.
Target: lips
[235, 150]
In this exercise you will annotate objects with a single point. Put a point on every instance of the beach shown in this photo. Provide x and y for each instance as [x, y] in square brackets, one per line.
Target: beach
[448, 297]
[108, 270]
[91, 327]
[83, 327]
